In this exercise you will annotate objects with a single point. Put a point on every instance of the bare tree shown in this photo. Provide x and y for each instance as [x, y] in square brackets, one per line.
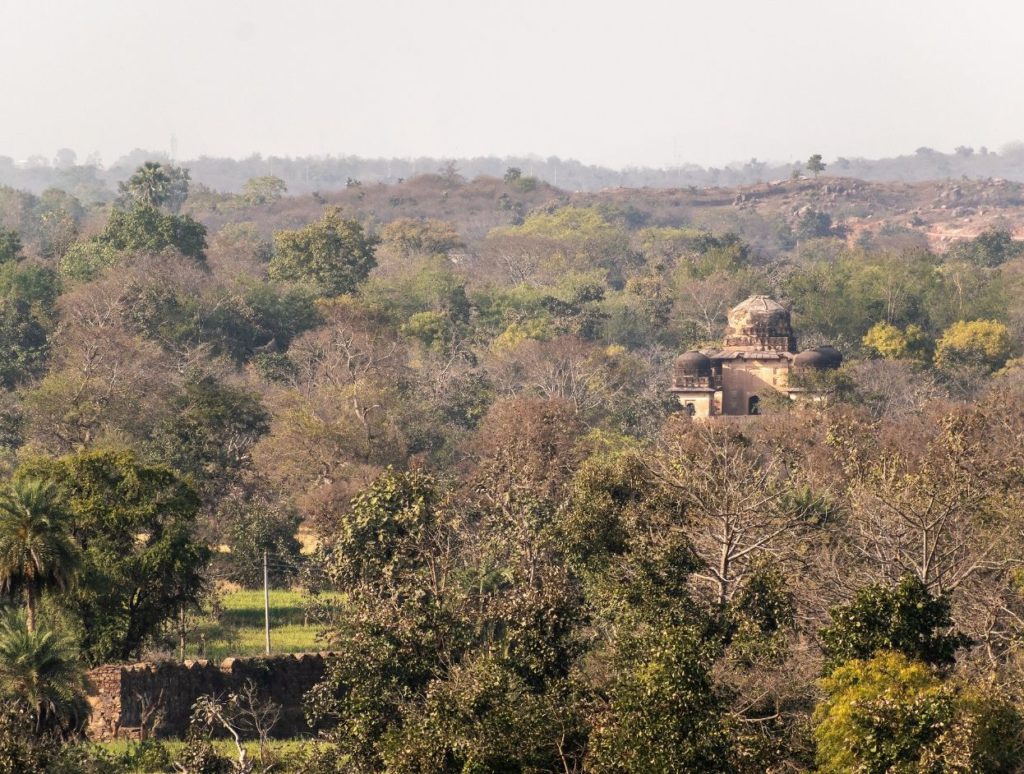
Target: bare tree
[937, 518]
[242, 713]
[736, 497]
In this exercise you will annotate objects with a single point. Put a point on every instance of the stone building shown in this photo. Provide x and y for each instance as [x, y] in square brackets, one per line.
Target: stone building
[757, 357]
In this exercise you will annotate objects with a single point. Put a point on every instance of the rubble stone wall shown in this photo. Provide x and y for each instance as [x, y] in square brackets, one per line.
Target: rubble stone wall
[120, 695]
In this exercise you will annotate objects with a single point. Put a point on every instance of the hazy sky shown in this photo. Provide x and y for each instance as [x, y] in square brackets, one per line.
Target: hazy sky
[615, 83]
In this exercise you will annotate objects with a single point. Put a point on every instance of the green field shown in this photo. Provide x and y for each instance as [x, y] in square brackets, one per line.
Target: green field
[237, 627]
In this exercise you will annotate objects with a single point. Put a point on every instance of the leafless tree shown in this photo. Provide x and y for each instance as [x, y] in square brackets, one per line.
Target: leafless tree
[736, 496]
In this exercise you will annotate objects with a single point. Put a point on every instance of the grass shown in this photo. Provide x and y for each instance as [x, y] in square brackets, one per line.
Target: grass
[236, 629]
[283, 755]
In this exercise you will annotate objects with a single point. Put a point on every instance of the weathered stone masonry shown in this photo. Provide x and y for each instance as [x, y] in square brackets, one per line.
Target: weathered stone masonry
[118, 693]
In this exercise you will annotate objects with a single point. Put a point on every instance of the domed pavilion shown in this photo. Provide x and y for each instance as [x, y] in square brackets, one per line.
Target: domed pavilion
[756, 357]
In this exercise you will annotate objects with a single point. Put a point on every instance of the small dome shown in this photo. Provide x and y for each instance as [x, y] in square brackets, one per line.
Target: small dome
[819, 358]
[693, 364]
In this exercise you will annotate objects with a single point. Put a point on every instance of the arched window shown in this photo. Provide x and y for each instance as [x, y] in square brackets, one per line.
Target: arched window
[754, 405]
[689, 408]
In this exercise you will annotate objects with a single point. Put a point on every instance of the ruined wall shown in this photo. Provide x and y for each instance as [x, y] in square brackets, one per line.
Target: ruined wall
[120, 695]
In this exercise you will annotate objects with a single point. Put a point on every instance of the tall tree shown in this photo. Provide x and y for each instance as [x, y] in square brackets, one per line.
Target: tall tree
[333, 255]
[35, 550]
[141, 562]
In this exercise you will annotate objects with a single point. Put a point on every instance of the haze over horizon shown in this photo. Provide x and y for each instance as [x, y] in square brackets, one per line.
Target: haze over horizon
[652, 84]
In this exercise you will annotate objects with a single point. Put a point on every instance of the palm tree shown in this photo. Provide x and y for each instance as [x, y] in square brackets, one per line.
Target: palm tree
[35, 550]
[40, 672]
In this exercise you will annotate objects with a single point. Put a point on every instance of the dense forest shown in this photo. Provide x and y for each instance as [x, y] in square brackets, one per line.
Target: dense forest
[440, 406]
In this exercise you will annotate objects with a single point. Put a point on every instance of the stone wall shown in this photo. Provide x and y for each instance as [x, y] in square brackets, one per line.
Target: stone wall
[120, 695]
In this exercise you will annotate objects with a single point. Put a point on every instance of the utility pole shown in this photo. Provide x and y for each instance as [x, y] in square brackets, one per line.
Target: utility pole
[266, 600]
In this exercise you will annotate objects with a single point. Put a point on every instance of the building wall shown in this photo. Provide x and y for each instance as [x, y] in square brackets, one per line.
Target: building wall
[116, 693]
[702, 403]
[742, 379]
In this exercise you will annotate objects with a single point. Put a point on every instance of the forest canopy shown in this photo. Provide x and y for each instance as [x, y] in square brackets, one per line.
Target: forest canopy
[441, 408]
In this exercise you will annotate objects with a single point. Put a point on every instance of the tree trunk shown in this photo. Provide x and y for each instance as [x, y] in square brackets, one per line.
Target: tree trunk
[30, 609]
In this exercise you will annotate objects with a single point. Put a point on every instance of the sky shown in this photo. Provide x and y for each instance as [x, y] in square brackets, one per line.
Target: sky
[637, 83]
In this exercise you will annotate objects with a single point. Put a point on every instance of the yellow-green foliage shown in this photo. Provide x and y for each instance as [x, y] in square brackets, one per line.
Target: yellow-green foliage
[985, 343]
[893, 714]
[539, 328]
[888, 341]
[577, 232]
[844, 720]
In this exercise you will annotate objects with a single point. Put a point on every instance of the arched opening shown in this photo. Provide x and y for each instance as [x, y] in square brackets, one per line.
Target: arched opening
[690, 408]
[754, 405]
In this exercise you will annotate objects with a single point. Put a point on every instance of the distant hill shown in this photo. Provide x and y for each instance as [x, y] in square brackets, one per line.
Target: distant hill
[321, 174]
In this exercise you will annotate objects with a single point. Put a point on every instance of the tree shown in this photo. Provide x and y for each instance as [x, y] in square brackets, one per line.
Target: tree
[144, 228]
[333, 255]
[251, 526]
[814, 224]
[737, 499]
[397, 625]
[28, 295]
[815, 165]
[991, 248]
[906, 619]
[662, 712]
[409, 236]
[891, 343]
[85, 261]
[937, 513]
[980, 343]
[263, 190]
[155, 185]
[210, 432]
[39, 672]
[141, 562]
[10, 245]
[893, 714]
[35, 551]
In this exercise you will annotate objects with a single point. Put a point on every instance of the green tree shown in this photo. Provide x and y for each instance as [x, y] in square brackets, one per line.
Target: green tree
[141, 562]
[143, 228]
[156, 185]
[814, 224]
[893, 714]
[989, 249]
[10, 245]
[28, 295]
[815, 165]
[263, 190]
[85, 261]
[252, 526]
[35, 551]
[210, 433]
[395, 629]
[980, 343]
[39, 672]
[663, 713]
[906, 619]
[333, 255]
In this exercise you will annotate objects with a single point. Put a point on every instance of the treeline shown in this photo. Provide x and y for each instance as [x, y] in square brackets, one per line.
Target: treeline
[92, 181]
[527, 559]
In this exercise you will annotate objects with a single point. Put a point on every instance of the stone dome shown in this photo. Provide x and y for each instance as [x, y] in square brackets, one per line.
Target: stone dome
[760, 323]
[819, 358]
[693, 364]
